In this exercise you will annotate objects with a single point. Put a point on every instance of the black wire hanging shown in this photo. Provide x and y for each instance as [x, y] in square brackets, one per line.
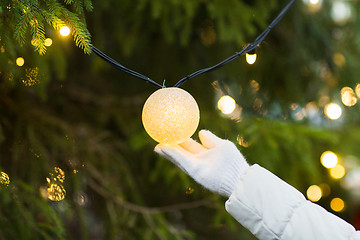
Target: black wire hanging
[248, 48]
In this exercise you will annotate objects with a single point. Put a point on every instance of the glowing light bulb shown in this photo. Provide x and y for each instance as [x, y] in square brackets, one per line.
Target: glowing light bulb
[329, 159]
[314, 193]
[337, 204]
[333, 111]
[314, 1]
[251, 58]
[170, 115]
[48, 42]
[337, 172]
[64, 31]
[20, 61]
[226, 104]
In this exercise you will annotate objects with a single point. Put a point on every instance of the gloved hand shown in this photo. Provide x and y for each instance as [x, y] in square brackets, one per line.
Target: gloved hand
[216, 164]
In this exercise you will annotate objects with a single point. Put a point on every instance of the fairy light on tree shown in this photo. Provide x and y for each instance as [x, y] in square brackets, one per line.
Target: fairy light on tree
[20, 61]
[48, 42]
[64, 31]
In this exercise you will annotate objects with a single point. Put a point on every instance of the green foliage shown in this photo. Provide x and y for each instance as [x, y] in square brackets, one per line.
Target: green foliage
[70, 110]
[22, 15]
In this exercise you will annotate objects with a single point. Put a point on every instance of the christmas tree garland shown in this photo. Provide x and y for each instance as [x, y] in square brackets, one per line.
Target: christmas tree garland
[249, 48]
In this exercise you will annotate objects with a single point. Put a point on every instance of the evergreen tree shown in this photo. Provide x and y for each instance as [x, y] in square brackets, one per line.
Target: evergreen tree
[75, 161]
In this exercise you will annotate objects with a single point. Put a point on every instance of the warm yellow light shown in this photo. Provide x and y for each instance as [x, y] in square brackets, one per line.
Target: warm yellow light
[48, 42]
[314, 1]
[20, 61]
[337, 172]
[329, 159]
[348, 96]
[333, 111]
[226, 104]
[251, 58]
[314, 193]
[337, 204]
[339, 59]
[357, 90]
[64, 31]
[56, 192]
[170, 115]
[4, 179]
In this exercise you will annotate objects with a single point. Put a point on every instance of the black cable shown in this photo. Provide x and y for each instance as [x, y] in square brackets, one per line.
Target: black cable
[123, 68]
[250, 47]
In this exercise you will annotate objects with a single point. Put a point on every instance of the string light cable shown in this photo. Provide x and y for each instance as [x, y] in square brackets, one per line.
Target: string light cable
[248, 48]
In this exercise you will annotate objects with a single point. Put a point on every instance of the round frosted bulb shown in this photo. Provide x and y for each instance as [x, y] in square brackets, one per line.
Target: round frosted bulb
[170, 115]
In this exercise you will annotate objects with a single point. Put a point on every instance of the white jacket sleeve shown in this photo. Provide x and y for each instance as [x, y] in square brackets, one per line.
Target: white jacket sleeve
[272, 209]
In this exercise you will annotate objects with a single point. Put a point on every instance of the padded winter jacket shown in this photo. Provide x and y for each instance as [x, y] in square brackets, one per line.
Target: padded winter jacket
[272, 209]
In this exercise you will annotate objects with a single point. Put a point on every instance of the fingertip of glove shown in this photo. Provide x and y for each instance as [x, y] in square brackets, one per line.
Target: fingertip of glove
[158, 149]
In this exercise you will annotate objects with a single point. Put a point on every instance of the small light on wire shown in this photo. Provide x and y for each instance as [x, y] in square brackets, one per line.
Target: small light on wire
[20, 61]
[64, 31]
[251, 58]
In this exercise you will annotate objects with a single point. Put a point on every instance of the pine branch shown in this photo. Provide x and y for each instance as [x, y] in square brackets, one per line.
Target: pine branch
[88, 5]
[81, 35]
[20, 29]
[38, 34]
[79, 31]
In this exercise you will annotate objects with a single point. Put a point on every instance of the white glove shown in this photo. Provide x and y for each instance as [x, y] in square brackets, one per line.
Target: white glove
[216, 164]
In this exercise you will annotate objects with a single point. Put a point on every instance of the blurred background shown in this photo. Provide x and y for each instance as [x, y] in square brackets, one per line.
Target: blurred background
[75, 160]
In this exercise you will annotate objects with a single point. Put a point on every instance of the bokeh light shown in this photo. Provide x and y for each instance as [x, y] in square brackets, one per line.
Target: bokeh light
[337, 172]
[357, 90]
[226, 104]
[348, 96]
[329, 159]
[56, 192]
[4, 179]
[340, 12]
[20, 61]
[64, 31]
[333, 111]
[313, 5]
[251, 58]
[314, 193]
[337, 204]
[48, 42]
